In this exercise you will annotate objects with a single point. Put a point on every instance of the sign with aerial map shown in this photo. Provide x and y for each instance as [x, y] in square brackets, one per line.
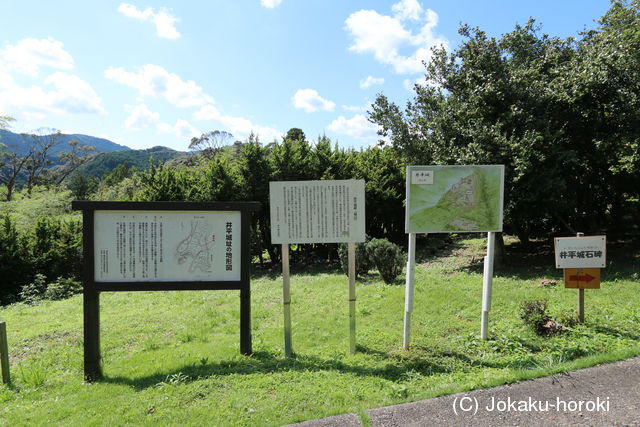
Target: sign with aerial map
[317, 211]
[139, 246]
[454, 199]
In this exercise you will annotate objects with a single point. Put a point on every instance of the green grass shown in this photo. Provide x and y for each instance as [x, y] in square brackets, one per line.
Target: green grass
[173, 357]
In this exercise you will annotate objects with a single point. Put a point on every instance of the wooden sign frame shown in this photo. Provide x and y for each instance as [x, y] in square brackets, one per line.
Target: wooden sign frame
[93, 288]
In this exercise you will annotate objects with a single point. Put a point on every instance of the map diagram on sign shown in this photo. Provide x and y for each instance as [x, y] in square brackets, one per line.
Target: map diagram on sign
[194, 249]
[443, 199]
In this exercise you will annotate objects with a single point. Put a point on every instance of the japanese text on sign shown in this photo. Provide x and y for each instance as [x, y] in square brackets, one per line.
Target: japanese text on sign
[135, 246]
[580, 252]
[317, 211]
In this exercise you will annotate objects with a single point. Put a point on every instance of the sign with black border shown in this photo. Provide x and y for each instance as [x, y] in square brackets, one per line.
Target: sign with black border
[98, 223]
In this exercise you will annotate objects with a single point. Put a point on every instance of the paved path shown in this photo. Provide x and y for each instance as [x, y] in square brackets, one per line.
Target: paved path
[602, 395]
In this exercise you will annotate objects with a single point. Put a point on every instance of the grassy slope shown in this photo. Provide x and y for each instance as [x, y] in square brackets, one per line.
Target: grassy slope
[173, 358]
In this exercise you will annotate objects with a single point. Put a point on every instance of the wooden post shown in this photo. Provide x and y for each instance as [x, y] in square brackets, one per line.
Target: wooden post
[351, 251]
[487, 283]
[286, 300]
[92, 368]
[245, 290]
[4, 353]
[580, 296]
[408, 291]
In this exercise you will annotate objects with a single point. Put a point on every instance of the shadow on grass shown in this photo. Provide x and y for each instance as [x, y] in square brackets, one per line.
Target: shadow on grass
[266, 362]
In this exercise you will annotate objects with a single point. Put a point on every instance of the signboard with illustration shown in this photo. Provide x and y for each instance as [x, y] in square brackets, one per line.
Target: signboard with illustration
[185, 246]
[454, 199]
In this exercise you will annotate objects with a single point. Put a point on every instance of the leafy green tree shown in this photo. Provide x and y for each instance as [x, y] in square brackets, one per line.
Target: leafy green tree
[82, 186]
[14, 261]
[210, 143]
[254, 170]
[561, 114]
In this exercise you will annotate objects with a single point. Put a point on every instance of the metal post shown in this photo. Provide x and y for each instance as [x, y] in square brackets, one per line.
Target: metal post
[286, 300]
[351, 253]
[487, 283]
[408, 295]
[4, 353]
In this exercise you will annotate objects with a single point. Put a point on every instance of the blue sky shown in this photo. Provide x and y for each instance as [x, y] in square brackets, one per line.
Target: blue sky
[146, 73]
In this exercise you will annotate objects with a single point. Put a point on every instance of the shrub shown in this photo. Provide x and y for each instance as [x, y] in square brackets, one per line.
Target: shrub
[62, 288]
[34, 291]
[387, 257]
[534, 314]
[363, 264]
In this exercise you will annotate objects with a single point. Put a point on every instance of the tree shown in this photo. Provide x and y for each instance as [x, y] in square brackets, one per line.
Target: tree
[560, 114]
[4, 121]
[77, 156]
[210, 143]
[41, 143]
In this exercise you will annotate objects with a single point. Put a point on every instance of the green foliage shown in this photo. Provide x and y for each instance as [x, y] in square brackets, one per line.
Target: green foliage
[363, 264]
[534, 102]
[49, 248]
[33, 292]
[14, 256]
[62, 288]
[534, 314]
[81, 186]
[387, 257]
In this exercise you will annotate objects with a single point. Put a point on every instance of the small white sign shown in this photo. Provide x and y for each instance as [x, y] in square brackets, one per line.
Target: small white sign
[317, 211]
[581, 252]
[422, 177]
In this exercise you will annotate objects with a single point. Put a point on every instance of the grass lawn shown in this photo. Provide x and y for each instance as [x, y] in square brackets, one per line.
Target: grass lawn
[173, 357]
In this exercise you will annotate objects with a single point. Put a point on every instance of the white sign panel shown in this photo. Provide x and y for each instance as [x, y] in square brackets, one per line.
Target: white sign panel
[166, 246]
[581, 252]
[317, 211]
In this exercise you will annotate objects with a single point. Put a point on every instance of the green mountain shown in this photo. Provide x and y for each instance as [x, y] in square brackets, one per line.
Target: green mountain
[19, 143]
[104, 163]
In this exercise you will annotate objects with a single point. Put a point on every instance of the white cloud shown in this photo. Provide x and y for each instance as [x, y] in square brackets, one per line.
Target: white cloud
[239, 127]
[163, 20]
[182, 129]
[310, 101]
[370, 81]
[29, 55]
[153, 80]
[62, 93]
[141, 117]
[384, 36]
[407, 9]
[356, 127]
[270, 4]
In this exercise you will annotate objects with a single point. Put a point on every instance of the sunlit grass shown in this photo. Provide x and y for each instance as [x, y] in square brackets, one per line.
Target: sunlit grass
[173, 357]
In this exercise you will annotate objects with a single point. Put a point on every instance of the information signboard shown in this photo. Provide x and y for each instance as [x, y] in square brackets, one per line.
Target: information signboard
[454, 199]
[163, 246]
[143, 246]
[581, 252]
[317, 211]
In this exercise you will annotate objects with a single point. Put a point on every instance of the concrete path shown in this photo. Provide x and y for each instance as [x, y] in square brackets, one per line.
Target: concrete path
[602, 395]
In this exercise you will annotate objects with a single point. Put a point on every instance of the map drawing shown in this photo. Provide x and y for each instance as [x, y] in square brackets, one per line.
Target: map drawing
[194, 248]
[454, 199]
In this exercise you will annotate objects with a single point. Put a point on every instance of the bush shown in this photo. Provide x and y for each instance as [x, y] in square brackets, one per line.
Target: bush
[363, 264]
[534, 314]
[63, 288]
[34, 291]
[387, 257]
